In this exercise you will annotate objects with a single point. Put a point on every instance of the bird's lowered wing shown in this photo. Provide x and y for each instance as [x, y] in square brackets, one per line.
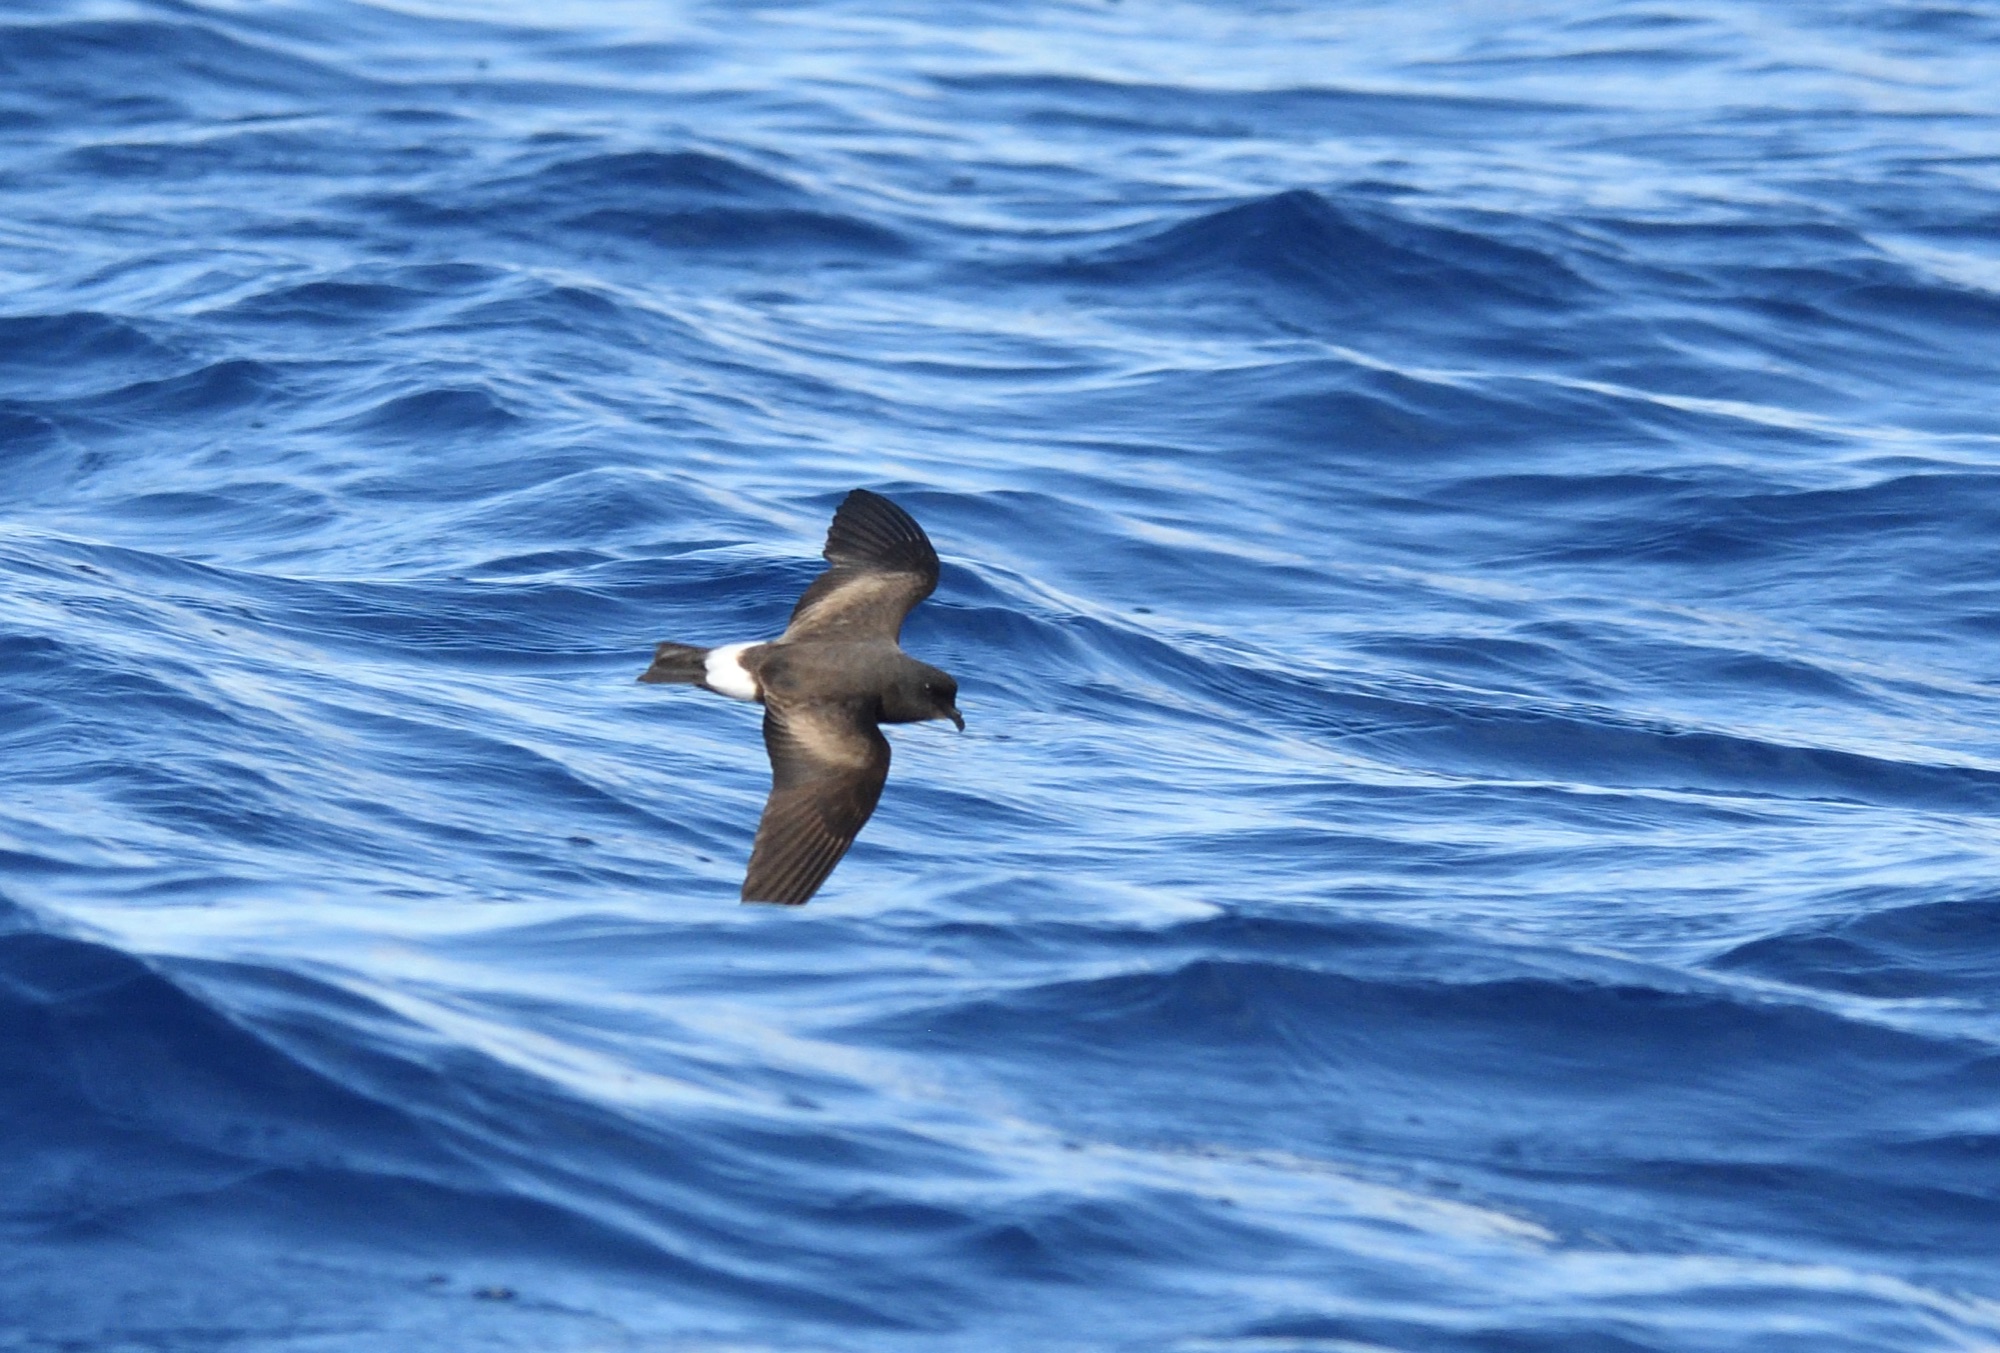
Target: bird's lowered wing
[883, 565]
[828, 764]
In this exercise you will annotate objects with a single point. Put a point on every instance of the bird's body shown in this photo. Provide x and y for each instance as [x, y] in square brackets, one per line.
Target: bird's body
[826, 683]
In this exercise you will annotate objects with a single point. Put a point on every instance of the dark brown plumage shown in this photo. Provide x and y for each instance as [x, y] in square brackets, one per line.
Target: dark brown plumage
[826, 683]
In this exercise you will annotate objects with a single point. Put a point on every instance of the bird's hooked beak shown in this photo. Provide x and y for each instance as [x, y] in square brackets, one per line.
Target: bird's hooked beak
[956, 717]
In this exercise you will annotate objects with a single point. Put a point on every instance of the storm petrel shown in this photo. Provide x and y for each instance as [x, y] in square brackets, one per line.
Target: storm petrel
[826, 683]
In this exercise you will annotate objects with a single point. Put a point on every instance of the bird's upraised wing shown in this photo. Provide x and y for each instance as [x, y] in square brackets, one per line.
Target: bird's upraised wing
[883, 565]
[828, 764]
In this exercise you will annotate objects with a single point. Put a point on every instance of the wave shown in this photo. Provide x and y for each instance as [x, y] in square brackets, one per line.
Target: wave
[1137, 106]
[1353, 1039]
[680, 199]
[1879, 948]
[1301, 248]
[1468, 572]
[132, 1098]
[142, 68]
[50, 343]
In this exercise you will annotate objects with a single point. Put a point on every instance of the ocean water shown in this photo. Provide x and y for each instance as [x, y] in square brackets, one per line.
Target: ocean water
[1470, 550]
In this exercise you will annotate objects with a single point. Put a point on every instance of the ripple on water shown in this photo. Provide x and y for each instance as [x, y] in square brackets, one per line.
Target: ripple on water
[1464, 539]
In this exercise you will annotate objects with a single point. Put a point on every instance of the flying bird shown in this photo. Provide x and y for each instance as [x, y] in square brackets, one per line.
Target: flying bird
[826, 684]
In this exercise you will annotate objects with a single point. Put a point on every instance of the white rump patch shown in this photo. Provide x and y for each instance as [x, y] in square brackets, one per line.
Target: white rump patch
[723, 672]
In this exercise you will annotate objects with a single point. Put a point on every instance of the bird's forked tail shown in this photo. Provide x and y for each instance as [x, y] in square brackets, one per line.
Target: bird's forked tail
[681, 664]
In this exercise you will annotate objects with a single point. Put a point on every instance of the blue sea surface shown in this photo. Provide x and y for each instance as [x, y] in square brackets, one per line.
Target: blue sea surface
[1471, 545]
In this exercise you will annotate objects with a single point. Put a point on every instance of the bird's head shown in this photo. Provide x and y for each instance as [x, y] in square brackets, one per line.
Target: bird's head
[924, 693]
